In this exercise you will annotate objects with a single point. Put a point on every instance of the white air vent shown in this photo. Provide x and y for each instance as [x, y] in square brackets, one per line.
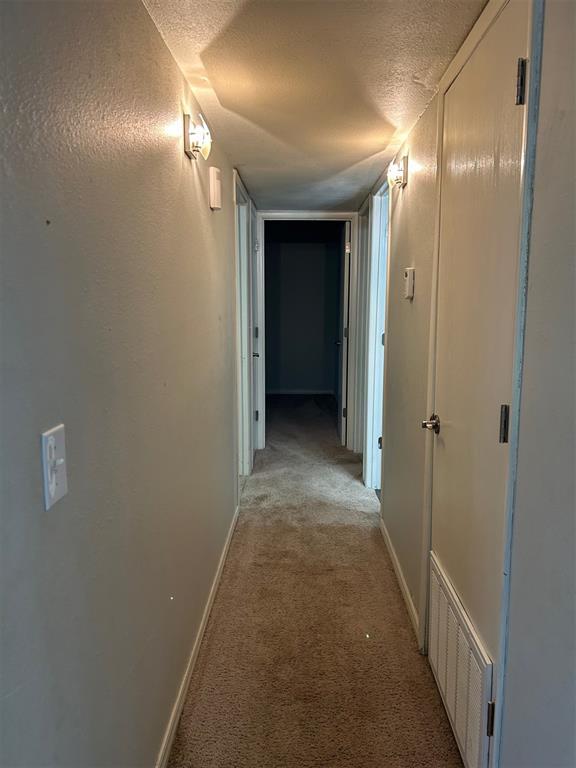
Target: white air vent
[462, 668]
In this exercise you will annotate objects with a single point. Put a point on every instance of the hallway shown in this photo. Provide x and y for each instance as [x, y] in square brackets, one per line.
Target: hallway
[309, 658]
[287, 376]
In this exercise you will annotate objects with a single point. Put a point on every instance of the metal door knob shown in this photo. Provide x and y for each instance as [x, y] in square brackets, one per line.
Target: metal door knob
[433, 423]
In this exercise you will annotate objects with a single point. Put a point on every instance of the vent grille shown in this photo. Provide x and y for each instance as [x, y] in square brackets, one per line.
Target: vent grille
[461, 666]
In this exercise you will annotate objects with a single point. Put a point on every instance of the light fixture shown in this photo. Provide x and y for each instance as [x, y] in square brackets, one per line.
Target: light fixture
[398, 173]
[197, 138]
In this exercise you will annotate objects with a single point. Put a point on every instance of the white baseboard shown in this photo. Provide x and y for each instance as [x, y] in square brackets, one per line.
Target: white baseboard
[400, 577]
[170, 732]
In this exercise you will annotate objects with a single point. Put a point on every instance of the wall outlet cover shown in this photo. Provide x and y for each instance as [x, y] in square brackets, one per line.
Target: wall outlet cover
[54, 465]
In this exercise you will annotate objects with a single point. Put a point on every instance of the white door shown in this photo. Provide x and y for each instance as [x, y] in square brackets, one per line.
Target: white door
[245, 330]
[375, 347]
[343, 340]
[477, 296]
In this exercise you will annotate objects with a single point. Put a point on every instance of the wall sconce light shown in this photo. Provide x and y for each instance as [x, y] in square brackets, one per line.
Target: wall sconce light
[398, 173]
[197, 138]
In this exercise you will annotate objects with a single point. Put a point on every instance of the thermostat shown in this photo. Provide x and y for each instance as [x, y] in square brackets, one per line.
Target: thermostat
[215, 189]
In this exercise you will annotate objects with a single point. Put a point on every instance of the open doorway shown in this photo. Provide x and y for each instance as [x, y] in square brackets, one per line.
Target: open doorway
[245, 234]
[306, 274]
[377, 272]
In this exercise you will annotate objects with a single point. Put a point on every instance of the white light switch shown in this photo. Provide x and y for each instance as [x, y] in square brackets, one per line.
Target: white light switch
[215, 189]
[409, 282]
[54, 465]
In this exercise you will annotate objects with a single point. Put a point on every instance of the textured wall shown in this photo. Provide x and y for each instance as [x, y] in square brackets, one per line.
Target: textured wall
[411, 244]
[540, 688]
[117, 319]
[303, 261]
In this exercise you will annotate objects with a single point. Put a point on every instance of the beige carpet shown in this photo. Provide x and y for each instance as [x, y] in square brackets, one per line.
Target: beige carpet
[309, 659]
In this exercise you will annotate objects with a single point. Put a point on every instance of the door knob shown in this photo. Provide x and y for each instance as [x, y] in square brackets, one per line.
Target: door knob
[433, 423]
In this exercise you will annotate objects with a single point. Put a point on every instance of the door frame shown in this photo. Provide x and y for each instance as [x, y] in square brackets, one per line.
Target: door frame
[258, 337]
[244, 326]
[361, 304]
[376, 292]
[349, 359]
[477, 34]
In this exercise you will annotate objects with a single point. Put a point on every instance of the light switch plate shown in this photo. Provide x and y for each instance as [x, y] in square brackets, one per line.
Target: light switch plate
[409, 282]
[54, 465]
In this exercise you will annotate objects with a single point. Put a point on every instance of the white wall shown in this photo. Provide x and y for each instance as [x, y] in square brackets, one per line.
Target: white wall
[411, 244]
[117, 319]
[540, 685]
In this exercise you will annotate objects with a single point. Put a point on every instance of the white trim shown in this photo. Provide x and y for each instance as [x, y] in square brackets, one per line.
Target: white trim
[260, 343]
[170, 732]
[354, 343]
[244, 326]
[365, 207]
[377, 294]
[349, 354]
[430, 399]
[301, 392]
[359, 312]
[344, 401]
[308, 215]
[370, 437]
[238, 183]
[382, 180]
[400, 577]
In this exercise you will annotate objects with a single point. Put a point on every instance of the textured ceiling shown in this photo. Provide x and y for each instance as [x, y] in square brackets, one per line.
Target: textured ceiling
[311, 98]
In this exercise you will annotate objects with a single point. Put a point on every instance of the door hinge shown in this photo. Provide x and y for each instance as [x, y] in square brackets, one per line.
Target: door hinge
[504, 423]
[257, 246]
[521, 81]
[380, 442]
[348, 247]
[343, 413]
[490, 718]
[383, 338]
[345, 333]
[255, 331]
[256, 415]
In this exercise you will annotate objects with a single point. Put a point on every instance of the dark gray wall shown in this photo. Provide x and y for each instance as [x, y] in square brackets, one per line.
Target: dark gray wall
[303, 267]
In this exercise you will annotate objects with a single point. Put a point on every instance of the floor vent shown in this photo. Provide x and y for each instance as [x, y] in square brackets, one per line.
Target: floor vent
[462, 668]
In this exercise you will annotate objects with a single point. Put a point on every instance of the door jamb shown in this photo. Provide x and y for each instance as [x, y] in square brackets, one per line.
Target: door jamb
[272, 215]
[244, 404]
[378, 202]
[359, 304]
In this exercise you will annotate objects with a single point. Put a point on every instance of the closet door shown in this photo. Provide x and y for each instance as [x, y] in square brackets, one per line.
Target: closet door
[477, 297]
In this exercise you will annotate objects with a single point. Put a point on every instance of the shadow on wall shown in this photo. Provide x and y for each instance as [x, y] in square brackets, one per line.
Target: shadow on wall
[284, 66]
